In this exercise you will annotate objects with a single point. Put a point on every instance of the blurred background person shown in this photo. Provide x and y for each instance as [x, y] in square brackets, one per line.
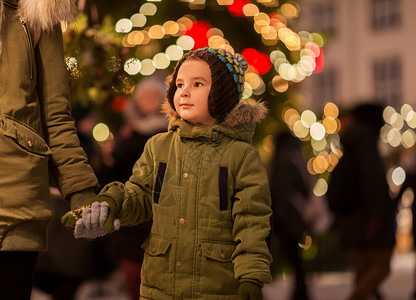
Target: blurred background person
[142, 120]
[358, 195]
[291, 186]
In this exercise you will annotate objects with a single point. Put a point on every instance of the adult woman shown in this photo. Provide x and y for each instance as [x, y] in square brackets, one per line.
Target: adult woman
[37, 135]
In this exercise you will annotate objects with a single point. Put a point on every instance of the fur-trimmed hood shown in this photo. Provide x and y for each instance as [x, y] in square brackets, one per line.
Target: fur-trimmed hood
[44, 14]
[239, 123]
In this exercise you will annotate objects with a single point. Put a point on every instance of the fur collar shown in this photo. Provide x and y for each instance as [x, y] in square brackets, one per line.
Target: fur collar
[246, 112]
[42, 15]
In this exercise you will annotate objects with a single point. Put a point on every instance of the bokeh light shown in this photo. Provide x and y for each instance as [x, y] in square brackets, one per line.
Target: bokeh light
[148, 67]
[124, 25]
[132, 66]
[320, 187]
[174, 52]
[100, 132]
[398, 176]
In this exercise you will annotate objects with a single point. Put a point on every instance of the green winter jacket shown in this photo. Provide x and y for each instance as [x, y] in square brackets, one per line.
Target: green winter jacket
[37, 134]
[207, 193]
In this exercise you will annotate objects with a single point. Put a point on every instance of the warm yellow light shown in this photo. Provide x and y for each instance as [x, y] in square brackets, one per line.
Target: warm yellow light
[216, 41]
[320, 164]
[148, 67]
[250, 10]
[411, 119]
[330, 125]
[317, 131]
[290, 116]
[185, 42]
[397, 121]
[138, 20]
[262, 19]
[310, 166]
[398, 176]
[279, 84]
[124, 25]
[248, 91]
[171, 27]
[161, 61]
[214, 32]
[289, 10]
[100, 132]
[308, 118]
[406, 108]
[331, 110]
[287, 71]
[318, 145]
[300, 130]
[388, 113]
[132, 66]
[187, 21]
[174, 52]
[408, 139]
[394, 137]
[268, 33]
[253, 80]
[320, 187]
[156, 32]
[225, 2]
[148, 9]
[408, 197]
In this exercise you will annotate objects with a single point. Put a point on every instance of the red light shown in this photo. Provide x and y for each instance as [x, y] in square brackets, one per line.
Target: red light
[199, 33]
[320, 62]
[236, 9]
[119, 104]
[260, 61]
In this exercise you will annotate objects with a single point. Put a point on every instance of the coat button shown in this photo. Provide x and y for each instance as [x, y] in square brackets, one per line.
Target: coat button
[153, 250]
[222, 255]
[179, 264]
[182, 221]
[29, 142]
[185, 175]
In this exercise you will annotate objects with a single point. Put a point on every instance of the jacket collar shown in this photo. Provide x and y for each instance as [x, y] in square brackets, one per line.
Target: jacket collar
[239, 123]
[43, 15]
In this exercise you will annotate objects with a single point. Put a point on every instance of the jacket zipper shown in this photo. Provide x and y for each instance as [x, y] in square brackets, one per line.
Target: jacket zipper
[29, 46]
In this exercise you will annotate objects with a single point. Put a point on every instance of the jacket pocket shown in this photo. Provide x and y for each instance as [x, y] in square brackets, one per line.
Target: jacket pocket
[216, 263]
[156, 271]
[25, 137]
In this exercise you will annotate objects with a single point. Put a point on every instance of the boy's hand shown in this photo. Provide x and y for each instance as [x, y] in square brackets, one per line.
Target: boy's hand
[250, 291]
[95, 222]
[95, 218]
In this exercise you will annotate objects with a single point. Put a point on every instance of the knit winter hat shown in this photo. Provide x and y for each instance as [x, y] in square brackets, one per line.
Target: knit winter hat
[227, 74]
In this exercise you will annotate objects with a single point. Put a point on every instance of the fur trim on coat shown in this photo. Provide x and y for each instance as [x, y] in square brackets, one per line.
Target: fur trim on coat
[246, 112]
[44, 14]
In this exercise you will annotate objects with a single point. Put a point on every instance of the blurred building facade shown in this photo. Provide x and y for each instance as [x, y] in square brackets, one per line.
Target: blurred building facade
[368, 51]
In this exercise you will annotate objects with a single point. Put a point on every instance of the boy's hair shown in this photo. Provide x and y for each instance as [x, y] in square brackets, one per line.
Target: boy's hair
[227, 74]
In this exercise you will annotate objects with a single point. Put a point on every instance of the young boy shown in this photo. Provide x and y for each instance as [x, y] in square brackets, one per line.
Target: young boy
[203, 185]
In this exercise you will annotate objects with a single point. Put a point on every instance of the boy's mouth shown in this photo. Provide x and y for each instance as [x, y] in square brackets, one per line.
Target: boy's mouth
[186, 105]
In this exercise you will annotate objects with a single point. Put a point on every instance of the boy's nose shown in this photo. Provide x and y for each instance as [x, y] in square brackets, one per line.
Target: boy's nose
[185, 92]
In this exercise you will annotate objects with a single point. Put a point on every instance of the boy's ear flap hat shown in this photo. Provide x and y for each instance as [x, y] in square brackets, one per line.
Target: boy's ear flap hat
[227, 73]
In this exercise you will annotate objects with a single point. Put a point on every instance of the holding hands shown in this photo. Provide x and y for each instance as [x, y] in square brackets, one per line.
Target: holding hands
[96, 217]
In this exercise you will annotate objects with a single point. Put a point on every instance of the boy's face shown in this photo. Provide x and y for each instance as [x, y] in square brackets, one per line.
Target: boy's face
[193, 85]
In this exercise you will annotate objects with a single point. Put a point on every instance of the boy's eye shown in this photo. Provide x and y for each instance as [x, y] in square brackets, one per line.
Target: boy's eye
[198, 84]
[179, 85]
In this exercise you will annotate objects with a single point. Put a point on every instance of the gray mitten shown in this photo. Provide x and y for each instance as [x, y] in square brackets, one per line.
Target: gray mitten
[91, 224]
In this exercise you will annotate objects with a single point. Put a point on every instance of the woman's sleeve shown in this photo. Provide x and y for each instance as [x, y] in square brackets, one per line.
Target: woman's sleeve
[252, 214]
[68, 163]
